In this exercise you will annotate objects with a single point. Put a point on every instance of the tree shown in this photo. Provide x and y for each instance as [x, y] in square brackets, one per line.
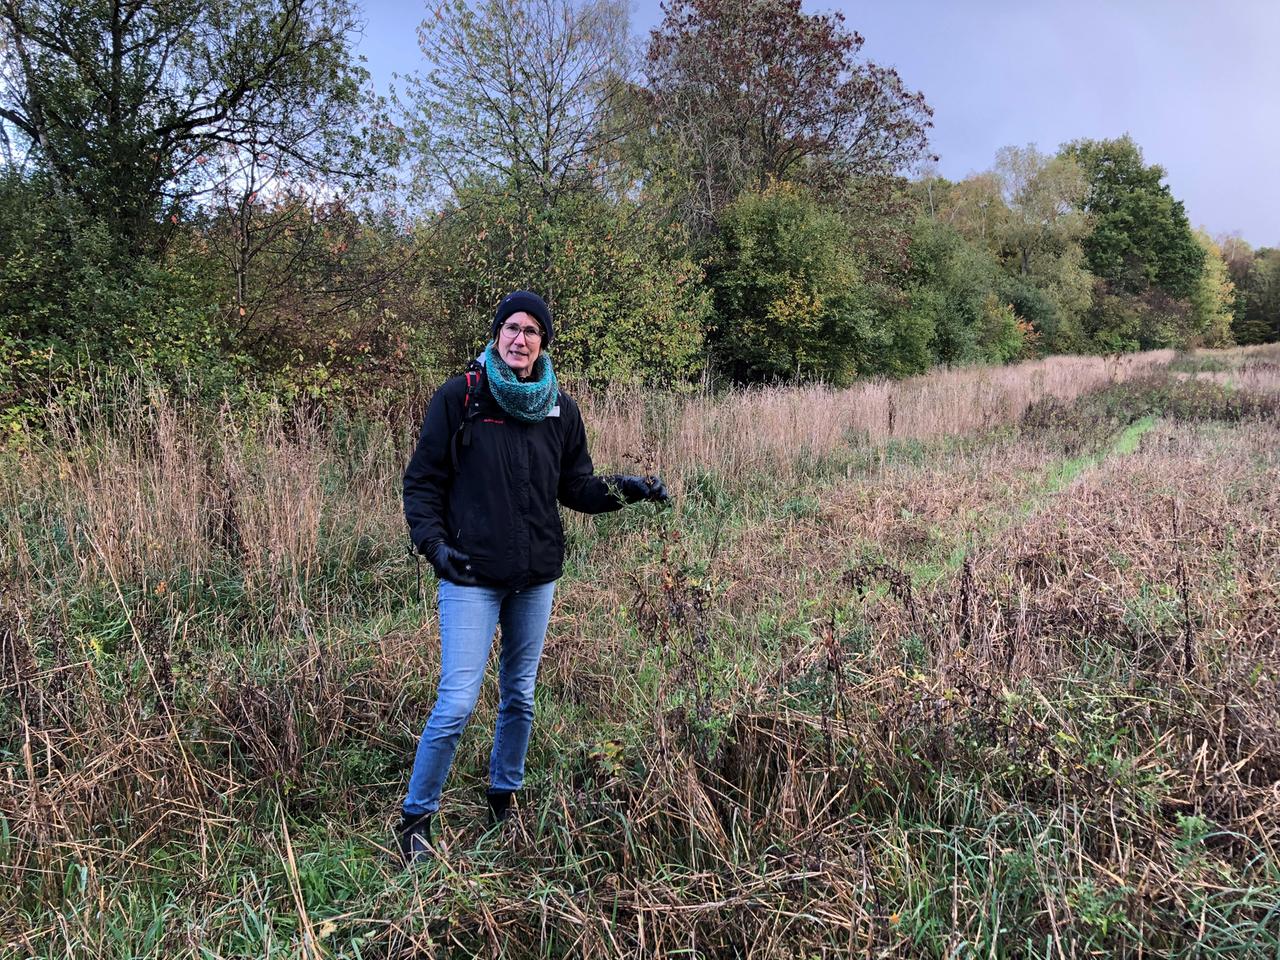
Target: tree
[1121, 322]
[66, 298]
[1038, 241]
[322, 296]
[1140, 236]
[1213, 299]
[745, 92]
[120, 103]
[1019, 216]
[975, 206]
[1053, 297]
[1260, 320]
[520, 93]
[1043, 195]
[1238, 256]
[516, 120]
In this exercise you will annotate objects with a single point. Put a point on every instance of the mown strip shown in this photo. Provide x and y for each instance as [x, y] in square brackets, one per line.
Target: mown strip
[1124, 442]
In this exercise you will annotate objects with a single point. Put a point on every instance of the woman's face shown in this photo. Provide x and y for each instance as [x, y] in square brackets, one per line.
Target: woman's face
[518, 348]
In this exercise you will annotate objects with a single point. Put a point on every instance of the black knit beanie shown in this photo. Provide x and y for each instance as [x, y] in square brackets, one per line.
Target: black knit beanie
[522, 301]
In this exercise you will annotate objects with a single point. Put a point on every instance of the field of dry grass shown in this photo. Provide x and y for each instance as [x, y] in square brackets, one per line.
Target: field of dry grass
[982, 663]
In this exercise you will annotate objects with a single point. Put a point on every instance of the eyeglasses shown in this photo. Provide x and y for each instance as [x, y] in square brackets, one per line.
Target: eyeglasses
[513, 330]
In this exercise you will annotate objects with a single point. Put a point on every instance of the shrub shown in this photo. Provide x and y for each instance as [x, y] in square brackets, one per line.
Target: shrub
[1121, 322]
[788, 293]
[627, 299]
[71, 296]
[955, 285]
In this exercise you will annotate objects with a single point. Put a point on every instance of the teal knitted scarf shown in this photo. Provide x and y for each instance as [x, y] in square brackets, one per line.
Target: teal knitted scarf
[527, 400]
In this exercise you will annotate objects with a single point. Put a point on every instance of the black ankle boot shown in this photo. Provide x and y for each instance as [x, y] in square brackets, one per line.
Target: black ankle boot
[414, 833]
[499, 805]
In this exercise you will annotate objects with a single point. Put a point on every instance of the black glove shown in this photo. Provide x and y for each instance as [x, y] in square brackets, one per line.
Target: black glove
[449, 564]
[636, 489]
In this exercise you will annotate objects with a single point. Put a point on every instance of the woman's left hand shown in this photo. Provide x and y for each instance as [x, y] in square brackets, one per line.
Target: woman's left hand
[636, 489]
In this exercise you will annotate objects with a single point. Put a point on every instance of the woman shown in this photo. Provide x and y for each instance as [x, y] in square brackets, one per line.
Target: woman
[499, 447]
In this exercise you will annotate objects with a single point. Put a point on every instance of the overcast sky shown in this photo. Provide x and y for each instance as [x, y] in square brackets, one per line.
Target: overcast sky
[1196, 83]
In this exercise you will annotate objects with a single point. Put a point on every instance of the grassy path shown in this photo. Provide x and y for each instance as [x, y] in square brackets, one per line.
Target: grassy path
[1044, 483]
[1122, 444]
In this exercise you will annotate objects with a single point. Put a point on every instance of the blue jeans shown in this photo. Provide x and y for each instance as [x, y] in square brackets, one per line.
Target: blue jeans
[468, 616]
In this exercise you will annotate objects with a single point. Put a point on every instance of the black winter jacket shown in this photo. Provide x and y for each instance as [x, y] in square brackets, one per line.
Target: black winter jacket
[499, 505]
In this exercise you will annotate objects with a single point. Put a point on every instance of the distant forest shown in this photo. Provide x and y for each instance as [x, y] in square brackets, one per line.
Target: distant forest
[212, 193]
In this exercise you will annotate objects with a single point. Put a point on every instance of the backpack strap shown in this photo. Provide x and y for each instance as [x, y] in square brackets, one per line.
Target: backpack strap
[470, 408]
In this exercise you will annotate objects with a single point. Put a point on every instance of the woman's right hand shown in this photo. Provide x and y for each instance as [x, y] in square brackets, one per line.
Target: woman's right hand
[450, 564]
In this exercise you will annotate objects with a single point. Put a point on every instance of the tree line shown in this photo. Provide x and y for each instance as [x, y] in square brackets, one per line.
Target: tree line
[213, 192]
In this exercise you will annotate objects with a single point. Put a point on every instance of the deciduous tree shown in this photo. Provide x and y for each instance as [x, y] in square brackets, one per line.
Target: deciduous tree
[1043, 195]
[121, 102]
[745, 92]
[1260, 320]
[976, 207]
[952, 287]
[519, 93]
[1213, 299]
[628, 299]
[1140, 236]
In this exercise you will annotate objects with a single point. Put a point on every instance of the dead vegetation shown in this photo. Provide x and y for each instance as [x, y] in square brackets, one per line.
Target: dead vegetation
[1017, 694]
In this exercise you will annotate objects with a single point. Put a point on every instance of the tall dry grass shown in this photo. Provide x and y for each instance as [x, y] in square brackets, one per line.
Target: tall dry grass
[146, 486]
[137, 485]
[772, 429]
